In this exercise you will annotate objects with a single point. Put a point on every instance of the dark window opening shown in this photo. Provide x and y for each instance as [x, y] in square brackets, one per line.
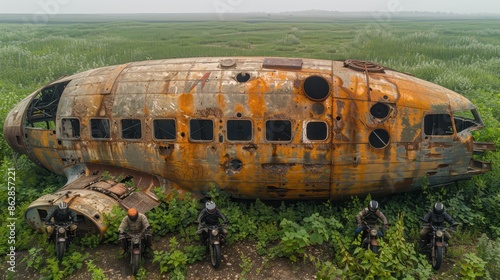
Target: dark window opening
[201, 130]
[438, 124]
[100, 128]
[278, 130]
[131, 129]
[43, 108]
[239, 130]
[42, 213]
[380, 110]
[379, 138]
[164, 129]
[70, 128]
[316, 88]
[316, 131]
[467, 119]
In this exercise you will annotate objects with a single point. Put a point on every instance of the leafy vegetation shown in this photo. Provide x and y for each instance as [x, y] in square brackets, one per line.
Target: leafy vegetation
[460, 55]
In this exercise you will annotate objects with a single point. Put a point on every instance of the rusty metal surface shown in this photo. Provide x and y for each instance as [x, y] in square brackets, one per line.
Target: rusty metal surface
[353, 158]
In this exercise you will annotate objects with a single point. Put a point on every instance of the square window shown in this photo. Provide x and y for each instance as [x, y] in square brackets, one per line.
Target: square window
[131, 129]
[100, 128]
[316, 131]
[279, 130]
[70, 128]
[164, 129]
[239, 130]
[201, 130]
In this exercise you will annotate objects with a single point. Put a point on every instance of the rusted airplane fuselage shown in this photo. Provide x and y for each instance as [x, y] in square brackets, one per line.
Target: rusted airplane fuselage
[268, 128]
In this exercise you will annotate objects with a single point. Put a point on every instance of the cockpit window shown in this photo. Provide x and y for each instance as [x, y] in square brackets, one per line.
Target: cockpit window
[467, 119]
[43, 108]
[438, 124]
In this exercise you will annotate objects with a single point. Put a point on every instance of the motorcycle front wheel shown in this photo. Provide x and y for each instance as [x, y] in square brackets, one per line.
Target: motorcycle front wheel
[215, 256]
[438, 258]
[60, 249]
[136, 259]
[374, 249]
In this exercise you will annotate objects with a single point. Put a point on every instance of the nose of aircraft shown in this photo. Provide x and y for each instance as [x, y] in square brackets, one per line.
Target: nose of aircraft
[13, 129]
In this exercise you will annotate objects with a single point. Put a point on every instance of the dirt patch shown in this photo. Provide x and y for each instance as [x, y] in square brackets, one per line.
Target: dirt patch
[239, 261]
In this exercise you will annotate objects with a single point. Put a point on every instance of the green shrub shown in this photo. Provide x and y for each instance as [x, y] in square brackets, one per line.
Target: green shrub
[489, 251]
[472, 267]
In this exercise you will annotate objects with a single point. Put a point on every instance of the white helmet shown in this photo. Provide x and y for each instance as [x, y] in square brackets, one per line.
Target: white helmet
[63, 207]
[210, 205]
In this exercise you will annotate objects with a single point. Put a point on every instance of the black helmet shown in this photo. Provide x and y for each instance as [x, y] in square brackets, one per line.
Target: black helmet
[373, 206]
[210, 205]
[63, 207]
[438, 208]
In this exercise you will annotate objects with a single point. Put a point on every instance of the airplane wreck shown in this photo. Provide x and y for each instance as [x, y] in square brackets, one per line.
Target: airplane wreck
[255, 127]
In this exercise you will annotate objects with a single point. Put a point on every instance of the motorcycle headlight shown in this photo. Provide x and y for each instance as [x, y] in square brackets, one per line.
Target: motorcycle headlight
[439, 233]
[373, 232]
[215, 232]
[136, 240]
[61, 230]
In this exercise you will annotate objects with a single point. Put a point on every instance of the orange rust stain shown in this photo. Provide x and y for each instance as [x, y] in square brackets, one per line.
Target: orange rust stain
[257, 86]
[186, 103]
[256, 100]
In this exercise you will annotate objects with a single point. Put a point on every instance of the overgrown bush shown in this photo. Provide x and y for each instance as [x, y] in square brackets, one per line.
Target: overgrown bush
[489, 251]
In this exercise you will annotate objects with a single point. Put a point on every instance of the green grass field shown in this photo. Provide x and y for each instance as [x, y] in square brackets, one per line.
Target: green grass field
[463, 55]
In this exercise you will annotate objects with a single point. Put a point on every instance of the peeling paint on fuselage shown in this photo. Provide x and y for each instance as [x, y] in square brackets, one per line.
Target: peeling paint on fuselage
[346, 162]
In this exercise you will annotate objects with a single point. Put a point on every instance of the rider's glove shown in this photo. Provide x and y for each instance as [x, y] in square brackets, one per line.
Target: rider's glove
[386, 226]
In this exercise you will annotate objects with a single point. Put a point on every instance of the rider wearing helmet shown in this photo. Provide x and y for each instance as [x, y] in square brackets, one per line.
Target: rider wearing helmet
[62, 214]
[370, 216]
[210, 215]
[436, 217]
[134, 223]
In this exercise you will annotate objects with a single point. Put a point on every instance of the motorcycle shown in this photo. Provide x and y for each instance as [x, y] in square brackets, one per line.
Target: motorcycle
[136, 248]
[62, 238]
[436, 246]
[213, 242]
[370, 240]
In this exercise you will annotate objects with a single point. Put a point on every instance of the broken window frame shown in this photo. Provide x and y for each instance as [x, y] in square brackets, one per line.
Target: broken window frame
[106, 124]
[204, 129]
[43, 108]
[157, 127]
[244, 128]
[131, 129]
[438, 125]
[306, 130]
[278, 131]
[75, 127]
[464, 124]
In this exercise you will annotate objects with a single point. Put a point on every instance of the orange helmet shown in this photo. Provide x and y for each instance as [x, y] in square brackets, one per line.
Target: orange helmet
[132, 214]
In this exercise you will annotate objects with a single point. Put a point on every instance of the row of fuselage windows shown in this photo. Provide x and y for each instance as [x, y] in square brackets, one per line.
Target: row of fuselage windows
[237, 130]
[199, 129]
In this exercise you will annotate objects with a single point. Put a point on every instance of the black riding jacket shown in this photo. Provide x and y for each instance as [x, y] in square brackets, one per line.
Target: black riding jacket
[207, 218]
[61, 217]
[438, 219]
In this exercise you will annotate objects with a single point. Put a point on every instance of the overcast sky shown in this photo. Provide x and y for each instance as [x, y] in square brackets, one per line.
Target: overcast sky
[241, 6]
